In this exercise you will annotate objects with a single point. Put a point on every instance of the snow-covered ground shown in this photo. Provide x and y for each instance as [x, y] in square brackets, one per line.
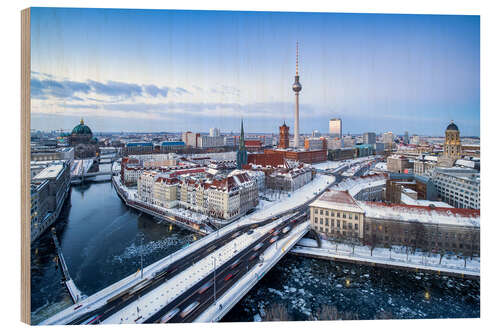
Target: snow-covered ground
[380, 166]
[329, 165]
[284, 203]
[338, 164]
[81, 166]
[397, 256]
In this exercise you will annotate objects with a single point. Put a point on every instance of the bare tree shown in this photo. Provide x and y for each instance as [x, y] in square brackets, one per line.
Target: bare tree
[276, 312]
[330, 312]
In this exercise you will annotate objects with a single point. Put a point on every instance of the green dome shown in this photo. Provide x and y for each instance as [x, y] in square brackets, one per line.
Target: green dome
[81, 129]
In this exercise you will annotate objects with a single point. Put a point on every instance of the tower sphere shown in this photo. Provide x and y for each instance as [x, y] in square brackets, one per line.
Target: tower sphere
[296, 85]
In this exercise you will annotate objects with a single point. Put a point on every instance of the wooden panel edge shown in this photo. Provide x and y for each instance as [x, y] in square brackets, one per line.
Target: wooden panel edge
[25, 166]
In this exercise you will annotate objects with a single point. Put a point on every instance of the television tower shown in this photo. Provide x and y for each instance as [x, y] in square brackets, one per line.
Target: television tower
[297, 88]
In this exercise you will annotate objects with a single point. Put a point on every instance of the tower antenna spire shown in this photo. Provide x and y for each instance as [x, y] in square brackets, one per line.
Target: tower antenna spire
[297, 60]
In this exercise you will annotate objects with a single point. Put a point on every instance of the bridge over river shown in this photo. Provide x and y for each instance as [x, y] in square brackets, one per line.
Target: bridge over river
[200, 282]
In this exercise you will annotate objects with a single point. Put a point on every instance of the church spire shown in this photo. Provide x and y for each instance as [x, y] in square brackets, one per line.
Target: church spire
[242, 136]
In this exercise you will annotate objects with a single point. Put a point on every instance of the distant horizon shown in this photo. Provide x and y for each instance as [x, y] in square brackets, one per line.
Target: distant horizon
[236, 133]
[175, 70]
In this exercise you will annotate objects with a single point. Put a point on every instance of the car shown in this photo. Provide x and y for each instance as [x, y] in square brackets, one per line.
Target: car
[92, 320]
[252, 257]
[236, 263]
[204, 287]
[271, 231]
[228, 277]
[249, 232]
[257, 247]
[285, 230]
[272, 240]
[170, 314]
[236, 234]
[189, 309]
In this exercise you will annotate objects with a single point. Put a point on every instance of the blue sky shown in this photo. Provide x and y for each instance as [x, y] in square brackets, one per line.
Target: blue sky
[145, 70]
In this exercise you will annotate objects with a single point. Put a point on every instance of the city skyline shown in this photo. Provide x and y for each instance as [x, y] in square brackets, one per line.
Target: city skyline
[395, 72]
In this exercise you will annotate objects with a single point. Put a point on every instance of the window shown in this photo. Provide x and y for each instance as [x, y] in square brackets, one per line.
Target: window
[356, 216]
[315, 211]
[338, 214]
[338, 224]
[321, 212]
[320, 221]
[343, 215]
[343, 225]
[355, 226]
[326, 212]
[350, 216]
[350, 226]
[315, 220]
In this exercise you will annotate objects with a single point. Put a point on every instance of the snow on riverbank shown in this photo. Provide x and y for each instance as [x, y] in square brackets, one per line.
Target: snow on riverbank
[397, 256]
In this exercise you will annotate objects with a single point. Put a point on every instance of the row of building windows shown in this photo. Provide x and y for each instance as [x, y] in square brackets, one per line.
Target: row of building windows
[345, 225]
[327, 212]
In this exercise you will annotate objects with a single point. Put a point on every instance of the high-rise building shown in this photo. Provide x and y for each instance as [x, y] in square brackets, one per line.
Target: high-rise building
[369, 138]
[190, 138]
[316, 134]
[284, 136]
[406, 138]
[335, 127]
[214, 132]
[388, 140]
[296, 87]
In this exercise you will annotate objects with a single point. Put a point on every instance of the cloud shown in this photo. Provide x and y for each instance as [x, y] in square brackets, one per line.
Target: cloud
[44, 88]
[181, 91]
[154, 91]
[116, 89]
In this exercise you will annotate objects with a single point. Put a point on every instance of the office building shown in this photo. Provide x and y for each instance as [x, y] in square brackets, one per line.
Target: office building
[335, 128]
[458, 187]
[369, 138]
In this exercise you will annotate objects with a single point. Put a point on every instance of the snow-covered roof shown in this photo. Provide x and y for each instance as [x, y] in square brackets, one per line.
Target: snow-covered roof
[338, 200]
[407, 200]
[52, 171]
[422, 214]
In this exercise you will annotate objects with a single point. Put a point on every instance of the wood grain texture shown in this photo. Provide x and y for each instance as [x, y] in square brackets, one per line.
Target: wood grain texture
[25, 167]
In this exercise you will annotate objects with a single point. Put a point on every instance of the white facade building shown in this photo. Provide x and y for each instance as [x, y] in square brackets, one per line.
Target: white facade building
[458, 187]
[205, 141]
